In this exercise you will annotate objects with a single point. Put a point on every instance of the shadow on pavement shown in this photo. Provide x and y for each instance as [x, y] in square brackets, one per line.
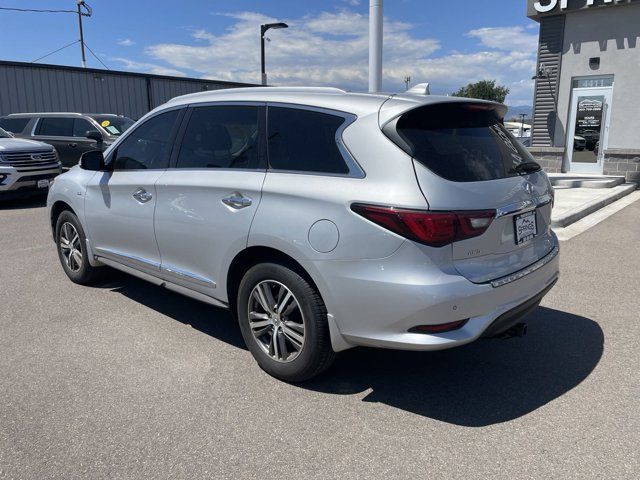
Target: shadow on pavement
[207, 319]
[23, 202]
[487, 382]
[484, 383]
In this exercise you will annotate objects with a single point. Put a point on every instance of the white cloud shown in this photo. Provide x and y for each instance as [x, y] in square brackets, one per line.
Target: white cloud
[156, 69]
[331, 48]
[353, 3]
[506, 38]
[126, 42]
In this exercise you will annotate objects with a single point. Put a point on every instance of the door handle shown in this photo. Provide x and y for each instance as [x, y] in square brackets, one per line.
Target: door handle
[237, 201]
[73, 145]
[142, 195]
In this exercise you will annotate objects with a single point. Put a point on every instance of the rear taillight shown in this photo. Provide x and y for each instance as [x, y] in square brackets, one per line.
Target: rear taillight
[435, 229]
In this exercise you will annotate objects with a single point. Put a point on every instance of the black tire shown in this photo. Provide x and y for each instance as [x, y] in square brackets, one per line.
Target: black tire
[316, 354]
[85, 274]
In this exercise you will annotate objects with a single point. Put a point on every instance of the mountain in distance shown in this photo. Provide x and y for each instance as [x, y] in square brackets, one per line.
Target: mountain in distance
[515, 112]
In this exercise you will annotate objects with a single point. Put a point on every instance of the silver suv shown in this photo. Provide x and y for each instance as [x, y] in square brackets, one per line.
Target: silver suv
[322, 219]
[25, 166]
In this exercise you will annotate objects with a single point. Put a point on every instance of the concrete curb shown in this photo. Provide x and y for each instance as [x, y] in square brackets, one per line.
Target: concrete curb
[588, 208]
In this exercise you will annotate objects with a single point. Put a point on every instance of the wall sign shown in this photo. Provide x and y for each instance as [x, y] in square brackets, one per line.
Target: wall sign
[558, 6]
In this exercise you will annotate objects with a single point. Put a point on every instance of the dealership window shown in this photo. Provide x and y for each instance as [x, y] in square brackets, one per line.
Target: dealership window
[593, 82]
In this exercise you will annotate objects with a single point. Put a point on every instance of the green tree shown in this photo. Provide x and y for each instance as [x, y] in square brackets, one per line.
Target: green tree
[485, 90]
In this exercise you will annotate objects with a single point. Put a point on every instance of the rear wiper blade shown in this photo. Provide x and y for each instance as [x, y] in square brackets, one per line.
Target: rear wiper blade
[526, 167]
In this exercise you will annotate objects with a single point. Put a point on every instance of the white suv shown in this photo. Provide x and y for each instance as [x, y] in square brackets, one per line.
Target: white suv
[26, 166]
[323, 219]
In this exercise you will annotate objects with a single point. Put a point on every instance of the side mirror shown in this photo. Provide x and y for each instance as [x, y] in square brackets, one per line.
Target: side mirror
[93, 161]
[94, 135]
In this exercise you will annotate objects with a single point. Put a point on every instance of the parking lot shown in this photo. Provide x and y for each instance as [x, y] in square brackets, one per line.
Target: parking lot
[126, 380]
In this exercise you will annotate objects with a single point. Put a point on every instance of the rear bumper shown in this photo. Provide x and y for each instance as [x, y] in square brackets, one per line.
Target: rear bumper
[14, 181]
[375, 303]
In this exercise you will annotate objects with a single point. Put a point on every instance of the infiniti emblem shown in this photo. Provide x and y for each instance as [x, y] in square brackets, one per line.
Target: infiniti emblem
[36, 157]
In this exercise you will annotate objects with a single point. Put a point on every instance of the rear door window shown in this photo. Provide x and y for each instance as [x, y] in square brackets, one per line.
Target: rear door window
[304, 141]
[14, 125]
[221, 137]
[461, 142]
[56, 127]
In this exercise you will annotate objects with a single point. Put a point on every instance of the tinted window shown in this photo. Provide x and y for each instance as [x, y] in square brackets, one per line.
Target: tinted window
[221, 137]
[149, 145]
[81, 126]
[56, 127]
[462, 142]
[14, 125]
[303, 140]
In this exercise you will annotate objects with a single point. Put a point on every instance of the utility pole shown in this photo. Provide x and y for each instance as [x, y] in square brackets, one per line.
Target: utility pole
[84, 58]
[407, 82]
[522, 116]
[375, 45]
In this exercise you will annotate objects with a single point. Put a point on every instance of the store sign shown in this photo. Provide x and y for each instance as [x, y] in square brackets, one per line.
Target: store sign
[551, 6]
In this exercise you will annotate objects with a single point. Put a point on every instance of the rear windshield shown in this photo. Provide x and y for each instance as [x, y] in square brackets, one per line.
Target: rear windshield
[461, 142]
[114, 125]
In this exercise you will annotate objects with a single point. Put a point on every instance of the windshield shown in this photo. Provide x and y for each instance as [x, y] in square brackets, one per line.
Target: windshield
[114, 125]
[4, 134]
[463, 142]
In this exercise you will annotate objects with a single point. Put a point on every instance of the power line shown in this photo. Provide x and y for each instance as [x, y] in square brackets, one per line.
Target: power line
[97, 57]
[55, 51]
[36, 11]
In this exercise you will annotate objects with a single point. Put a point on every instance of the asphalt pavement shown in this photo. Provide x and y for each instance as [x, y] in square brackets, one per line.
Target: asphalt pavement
[126, 380]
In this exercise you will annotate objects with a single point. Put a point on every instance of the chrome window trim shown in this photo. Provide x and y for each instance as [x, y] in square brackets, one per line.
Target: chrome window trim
[524, 206]
[526, 271]
[355, 170]
[184, 275]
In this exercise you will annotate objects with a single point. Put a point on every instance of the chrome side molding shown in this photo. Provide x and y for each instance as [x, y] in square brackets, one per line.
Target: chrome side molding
[126, 258]
[188, 276]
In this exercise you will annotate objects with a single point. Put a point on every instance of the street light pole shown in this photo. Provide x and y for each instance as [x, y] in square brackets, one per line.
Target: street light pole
[523, 115]
[263, 30]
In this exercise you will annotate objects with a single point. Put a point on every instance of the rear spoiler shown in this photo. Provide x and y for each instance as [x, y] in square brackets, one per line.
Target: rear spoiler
[397, 105]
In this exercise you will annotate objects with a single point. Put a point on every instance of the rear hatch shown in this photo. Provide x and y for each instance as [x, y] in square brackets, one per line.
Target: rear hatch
[466, 161]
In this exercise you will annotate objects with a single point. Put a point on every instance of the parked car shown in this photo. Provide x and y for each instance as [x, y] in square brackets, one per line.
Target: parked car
[323, 219]
[591, 138]
[71, 134]
[579, 143]
[25, 166]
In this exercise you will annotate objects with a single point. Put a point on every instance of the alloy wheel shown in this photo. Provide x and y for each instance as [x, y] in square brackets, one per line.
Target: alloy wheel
[71, 247]
[276, 321]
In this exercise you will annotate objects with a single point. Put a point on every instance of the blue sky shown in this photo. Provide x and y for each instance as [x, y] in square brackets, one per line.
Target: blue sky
[445, 42]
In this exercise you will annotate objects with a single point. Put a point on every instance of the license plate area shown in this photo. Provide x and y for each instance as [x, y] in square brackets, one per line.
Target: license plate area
[525, 227]
[43, 184]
